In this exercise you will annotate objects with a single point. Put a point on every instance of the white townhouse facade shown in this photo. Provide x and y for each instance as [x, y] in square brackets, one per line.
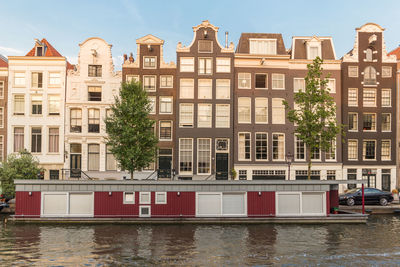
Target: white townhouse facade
[91, 88]
[36, 106]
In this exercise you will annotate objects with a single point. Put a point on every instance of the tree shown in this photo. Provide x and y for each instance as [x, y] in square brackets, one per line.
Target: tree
[314, 114]
[20, 165]
[130, 130]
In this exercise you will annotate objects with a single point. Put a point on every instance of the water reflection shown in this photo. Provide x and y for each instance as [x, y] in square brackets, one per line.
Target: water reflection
[376, 243]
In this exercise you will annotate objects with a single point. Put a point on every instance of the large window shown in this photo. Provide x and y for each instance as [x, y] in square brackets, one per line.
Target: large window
[369, 97]
[94, 71]
[223, 89]
[386, 98]
[205, 65]
[261, 81]
[165, 105]
[185, 155]
[149, 62]
[314, 51]
[37, 80]
[330, 155]
[244, 80]
[54, 79]
[353, 122]
[19, 104]
[244, 110]
[369, 149]
[94, 120]
[300, 149]
[187, 64]
[18, 139]
[185, 115]
[261, 112]
[369, 122]
[224, 64]
[222, 116]
[149, 83]
[352, 149]
[54, 140]
[278, 111]
[385, 150]
[165, 130]
[94, 93]
[186, 89]
[36, 105]
[261, 146]
[316, 153]
[19, 79]
[93, 157]
[278, 146]
[204, 89]
[369, 76]
[278, 81]
[299, 84]
[54, 104]
[244, 146]
[36, 141]
[204, 118]
[352, 100]
[111, 162]
[263, 46]
[386, 122]
[204, 156]
[76, 120]
[166, 81]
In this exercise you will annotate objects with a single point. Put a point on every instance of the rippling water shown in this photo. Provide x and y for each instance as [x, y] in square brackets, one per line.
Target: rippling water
[376, 243]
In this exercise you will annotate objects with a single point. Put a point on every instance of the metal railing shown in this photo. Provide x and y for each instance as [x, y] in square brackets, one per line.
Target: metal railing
[151, 175]
[75, 173]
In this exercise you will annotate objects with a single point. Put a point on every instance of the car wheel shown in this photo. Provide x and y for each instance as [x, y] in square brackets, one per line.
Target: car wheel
[383, 201]
[350, 202]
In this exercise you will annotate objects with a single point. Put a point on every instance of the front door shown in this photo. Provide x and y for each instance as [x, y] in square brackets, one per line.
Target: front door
[164, 166]
[386, 182]
[75, 165]
[222, 166]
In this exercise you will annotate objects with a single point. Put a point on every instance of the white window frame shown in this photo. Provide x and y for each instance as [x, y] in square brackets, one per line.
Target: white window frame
[129, 78]
[332, 90]
[129, 202]
[300, 194]
[205, 60]
[302, 80]
[266, 81]
[264, 100]
[169, 100]
[181, 125]
[239, 158]
[158, 200]
[189, 64]
[144, 194]
[355, 68]
[209, 116]
[217, 112]
[19, 78]
[255, 146]
[390, 150]
[384, 69]
[219, 87]
[278, 77]
[296, 139]
[275, 118]
[151, 57]
[2, 88]
[390, 123]
[50, 79]
[356, 148]
[348, 115]
[390, 97]
[352, 104]
[374, 129]
[155, 82]
[153, 103]
[2, 117]
[284, 146]
[368, 104]
[166, 81]
[246, 76]
[204, 89]
[144, 215]
[221, 66]
[179, 147]
[159, 130]
[186, 95]
[198, 156]
[364, 152]
[255, 45]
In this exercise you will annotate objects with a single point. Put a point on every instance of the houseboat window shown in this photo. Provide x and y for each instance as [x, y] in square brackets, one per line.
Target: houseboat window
[145, 198]
[144, 211]
[161, 197]
[129, 197]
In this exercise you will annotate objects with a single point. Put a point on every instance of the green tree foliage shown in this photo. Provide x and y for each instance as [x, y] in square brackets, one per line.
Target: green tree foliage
[315, 115]
[20, 165]
[130, 130]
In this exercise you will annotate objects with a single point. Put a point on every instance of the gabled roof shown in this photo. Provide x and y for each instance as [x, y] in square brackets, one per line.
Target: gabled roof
[299, 47]
[395, 52]
[49, 51]
[3, 62]
[244, 42]
[149, 39]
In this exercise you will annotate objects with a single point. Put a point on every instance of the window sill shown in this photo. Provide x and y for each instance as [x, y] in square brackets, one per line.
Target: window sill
[245, 88]
[261, 88]
[278, 88]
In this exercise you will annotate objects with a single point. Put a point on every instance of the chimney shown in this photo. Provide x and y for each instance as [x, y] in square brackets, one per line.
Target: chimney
[226, 39]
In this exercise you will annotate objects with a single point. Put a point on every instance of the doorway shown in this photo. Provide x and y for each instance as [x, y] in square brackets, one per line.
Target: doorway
[222, 166]
[165, 163]
[75, 160]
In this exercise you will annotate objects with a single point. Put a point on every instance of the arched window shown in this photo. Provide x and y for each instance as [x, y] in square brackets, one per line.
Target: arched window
[369, 76]
[368, 55]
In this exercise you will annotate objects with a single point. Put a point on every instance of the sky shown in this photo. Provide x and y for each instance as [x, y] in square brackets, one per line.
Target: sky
[66, 24]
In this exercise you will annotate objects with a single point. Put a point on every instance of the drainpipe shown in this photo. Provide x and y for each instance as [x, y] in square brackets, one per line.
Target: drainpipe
[362, 197]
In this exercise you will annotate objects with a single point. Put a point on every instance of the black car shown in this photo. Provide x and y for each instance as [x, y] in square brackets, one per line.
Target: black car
[371, 196]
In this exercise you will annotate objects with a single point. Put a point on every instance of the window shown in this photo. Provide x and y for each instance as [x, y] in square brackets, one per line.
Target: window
[386, 122]
[165, 130]
[204, 118]
[54, 104]
[1, 117]
[76, 120]
[353, 122]
[261, 146]
[385, 150]
[37, 80]
[93, 157]
[130, 78]
[316, 153]
[351, 175]
[185, 115]
[331, 175]
[187, 64]
[149, 83]
[353, 71]
[204, 156]
[94, 120]
[54, 140]
[19, 104]
[224, 65]
[144, 211]
[222, 116]
[369, 76]
[263, 46]
[300, 149]
[244, 146]
[386, 72]
[54, 174]
[1, 148]
[94, 71]
[18, 139]
[368, 54]
[152, 104]
[54, 78]
[39, 51]
[204, 88]
[36, 143]
[386, 98]
[369, 122]
[352, 97]
[330, 155]
[185, 155]
[111, 162]
[36, 105]
[94, 93]
[278, 111]
[242, 174]
[313, 52]
[1, 89]
[299, 84]
[278, 81]
[161, 197]
[166, 81]
[278, 146]
[186, 89]
[205, 65]
[19, 79]
[165, 105]
[369, 97]
[261, 106]
[129, 197]
[205, 46]
[331, 86]
[244, 80]
[149, 62]
[352, 149]
[244, 110]
[261, 81]
[369, 149]
[223, 89]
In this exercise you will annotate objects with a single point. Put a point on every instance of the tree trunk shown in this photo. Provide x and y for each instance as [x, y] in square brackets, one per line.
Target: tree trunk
[131, 175]
[308, 151]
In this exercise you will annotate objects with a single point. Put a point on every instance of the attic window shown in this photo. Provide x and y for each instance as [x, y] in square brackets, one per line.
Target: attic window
[205, 46]
[39, 51]
[263, 46]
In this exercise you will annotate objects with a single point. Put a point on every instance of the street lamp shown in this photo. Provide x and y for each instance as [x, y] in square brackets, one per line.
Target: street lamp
[289, 159]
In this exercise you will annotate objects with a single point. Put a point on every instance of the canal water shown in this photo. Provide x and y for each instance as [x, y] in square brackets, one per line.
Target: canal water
[377, 243]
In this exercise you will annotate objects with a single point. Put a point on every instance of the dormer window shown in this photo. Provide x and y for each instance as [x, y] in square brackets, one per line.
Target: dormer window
[314, 52]
[263, 46]
[313, 48]
[39, 51]
[368, 54]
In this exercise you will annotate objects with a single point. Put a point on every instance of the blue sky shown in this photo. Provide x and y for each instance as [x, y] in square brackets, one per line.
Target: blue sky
[65, 24]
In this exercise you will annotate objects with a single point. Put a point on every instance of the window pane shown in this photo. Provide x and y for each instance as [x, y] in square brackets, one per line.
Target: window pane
[278, 146]
[186, 88]
[204, 115]
[205, 88]
[185, 154]
[278, 111]
[93, 157]
[186, 115]
[204, 156]
[261, 110]
[54, 140]
[223, 89]
[244, 146]
[244, 110]
[222, 116]
[261, 146]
